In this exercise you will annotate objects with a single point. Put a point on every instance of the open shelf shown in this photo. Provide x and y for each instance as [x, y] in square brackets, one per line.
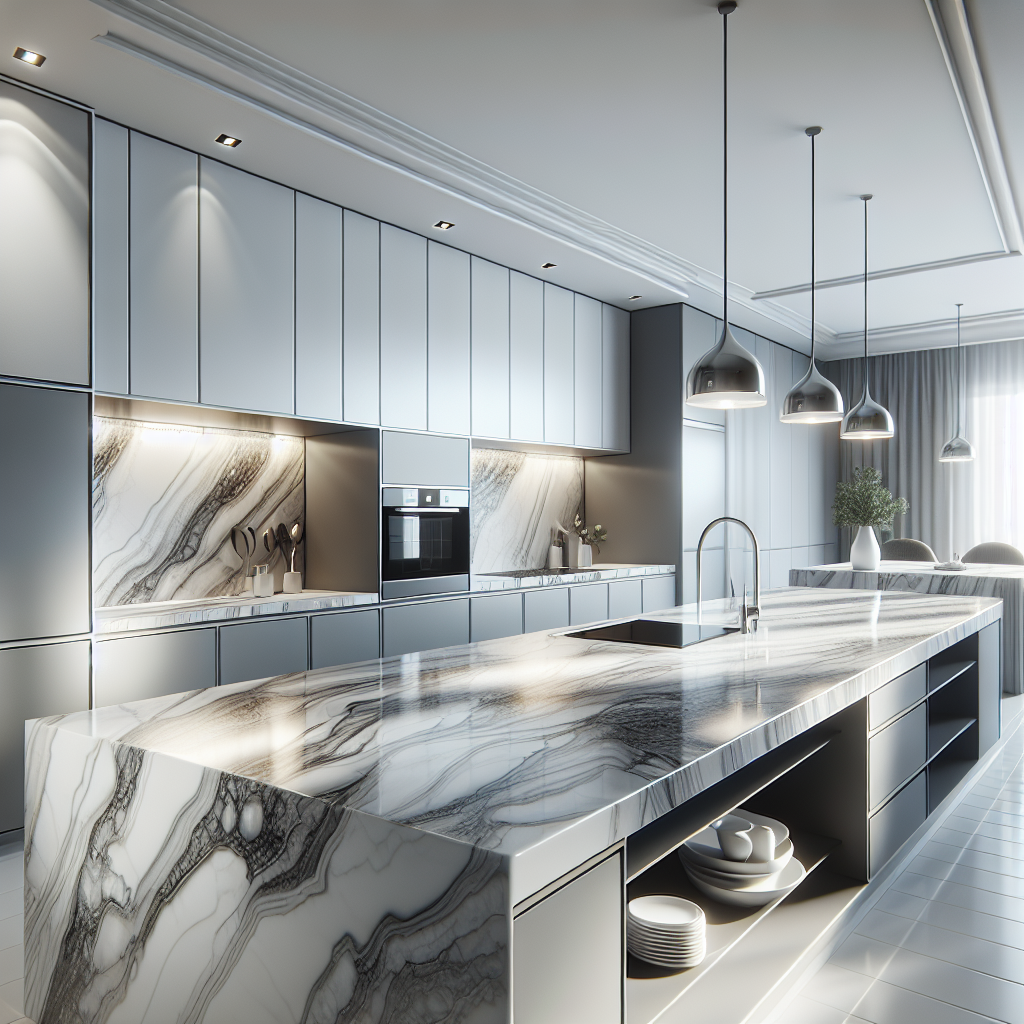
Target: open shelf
[943, 731]
[648, 846]
[650, 990]
[940, 674]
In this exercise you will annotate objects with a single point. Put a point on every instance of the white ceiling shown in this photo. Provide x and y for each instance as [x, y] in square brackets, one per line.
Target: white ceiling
[588, 133]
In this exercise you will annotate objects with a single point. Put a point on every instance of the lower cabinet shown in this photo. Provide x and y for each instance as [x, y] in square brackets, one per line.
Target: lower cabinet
[35, 682]
[896, 753]
[343, 637]
[494, 617]
[257, 650]
[588, 603]
[545, 609]
[423, 627]
[139, 667]
[625, 597]
[567, 952]
[897, 821]
[659, 593]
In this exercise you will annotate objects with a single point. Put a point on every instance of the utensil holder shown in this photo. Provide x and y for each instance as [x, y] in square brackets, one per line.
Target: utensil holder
[293, 582]
[263, 582]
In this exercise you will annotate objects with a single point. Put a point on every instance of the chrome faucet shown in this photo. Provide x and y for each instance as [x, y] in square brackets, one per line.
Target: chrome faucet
[749, 614]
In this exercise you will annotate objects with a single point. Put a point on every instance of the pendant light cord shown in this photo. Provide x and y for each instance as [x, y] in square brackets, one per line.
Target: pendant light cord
[725, 9]
[867, 390]
[812, 133]
[958, 305]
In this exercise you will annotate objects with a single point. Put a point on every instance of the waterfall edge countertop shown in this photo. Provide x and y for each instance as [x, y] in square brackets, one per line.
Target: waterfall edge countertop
[349, 844]
[976, 580]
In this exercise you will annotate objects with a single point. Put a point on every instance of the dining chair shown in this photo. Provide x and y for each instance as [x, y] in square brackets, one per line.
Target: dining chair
[906, 549]
[994, 552]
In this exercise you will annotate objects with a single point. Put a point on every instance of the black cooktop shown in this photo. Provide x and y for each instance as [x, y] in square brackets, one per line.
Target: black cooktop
[655, 633]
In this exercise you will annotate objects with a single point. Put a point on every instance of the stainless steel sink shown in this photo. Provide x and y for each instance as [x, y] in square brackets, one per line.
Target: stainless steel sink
[655, 633]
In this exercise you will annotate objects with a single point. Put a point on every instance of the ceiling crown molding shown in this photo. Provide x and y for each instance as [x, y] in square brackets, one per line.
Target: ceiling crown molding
[374, 135]
[953, 31]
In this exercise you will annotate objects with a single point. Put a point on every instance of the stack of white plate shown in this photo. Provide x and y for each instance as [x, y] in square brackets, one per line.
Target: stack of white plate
[666, 931]
[742, 883]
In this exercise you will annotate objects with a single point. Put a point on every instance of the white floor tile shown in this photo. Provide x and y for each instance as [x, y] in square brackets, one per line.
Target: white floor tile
[967, 875]
[12, 870]
[12, 964]
[956, 919]
[12, 931]
[956, 895]
[975, 859]
[12, 903]
[809, 1011]
[943, 944]
[986, 828]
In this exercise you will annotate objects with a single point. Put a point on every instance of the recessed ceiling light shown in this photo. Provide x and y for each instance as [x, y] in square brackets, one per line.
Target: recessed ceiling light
[29, 56]
[444, 225]
[227, 140]
[633, 298]
[548, 266]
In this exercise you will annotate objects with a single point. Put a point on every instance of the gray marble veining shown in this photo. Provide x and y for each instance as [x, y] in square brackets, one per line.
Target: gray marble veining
[347, 845]
[165, 499]
[521, 579]
[1003, 581]
[517, 501]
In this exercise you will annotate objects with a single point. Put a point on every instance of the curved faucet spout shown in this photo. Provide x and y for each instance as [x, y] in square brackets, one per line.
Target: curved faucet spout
[749, 614]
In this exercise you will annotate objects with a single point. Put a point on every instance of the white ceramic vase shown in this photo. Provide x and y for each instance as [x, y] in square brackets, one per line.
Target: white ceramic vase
[584, 555]
[864, 551]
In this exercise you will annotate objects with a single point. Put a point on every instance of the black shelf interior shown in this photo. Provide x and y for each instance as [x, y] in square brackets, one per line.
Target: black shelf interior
[951, 765]
[943, 731]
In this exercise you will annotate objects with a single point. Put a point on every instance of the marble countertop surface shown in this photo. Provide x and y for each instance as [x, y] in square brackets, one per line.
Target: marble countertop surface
[543, 747]
[519, 579]
[152, 615]
[893, 568]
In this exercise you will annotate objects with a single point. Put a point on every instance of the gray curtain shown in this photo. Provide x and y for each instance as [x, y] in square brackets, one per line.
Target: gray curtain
[918, 389]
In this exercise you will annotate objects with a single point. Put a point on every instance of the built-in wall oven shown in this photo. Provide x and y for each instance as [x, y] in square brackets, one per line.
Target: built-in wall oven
[424, 541]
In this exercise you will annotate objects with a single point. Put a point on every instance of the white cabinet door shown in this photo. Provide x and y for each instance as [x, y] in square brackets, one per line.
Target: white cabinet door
[139, 667]
[164, 270]
[403, 328]
[559, 413]
[615, 359]
[447, 339]
[44, 238]
[588, 359]
[526, 357]
[700, 333]
[110, 257]
[361, 313]
[246, 280]
[424, 627]
[491, 349]
[317, 308]
[258, 650]
[781, 440]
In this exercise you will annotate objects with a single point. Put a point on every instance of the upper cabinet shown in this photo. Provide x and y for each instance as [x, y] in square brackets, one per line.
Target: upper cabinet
[214, 286]
[318, 380]
[163, 270]
[246, 280]
[44, 238]
[447, 339]
[403, 328]
[559, 407]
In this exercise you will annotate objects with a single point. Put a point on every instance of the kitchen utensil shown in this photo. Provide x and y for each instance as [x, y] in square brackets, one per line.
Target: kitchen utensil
[734, 836]
[263, 581]
[295, 533]
[270, 541]
[243, 539]
[282, 539]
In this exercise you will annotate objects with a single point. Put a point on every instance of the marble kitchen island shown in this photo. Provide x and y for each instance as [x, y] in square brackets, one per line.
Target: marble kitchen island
[428, 838]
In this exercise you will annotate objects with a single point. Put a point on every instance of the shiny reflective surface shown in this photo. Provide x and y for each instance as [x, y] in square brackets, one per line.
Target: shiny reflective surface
[813, 399]
[726, 377]
[867, 421]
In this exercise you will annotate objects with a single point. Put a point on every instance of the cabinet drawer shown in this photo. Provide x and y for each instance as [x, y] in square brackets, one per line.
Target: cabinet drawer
[424, 627]
[493, 617]
[896, 822]
[258, 650]
[897, 695]
[545, 609]
[343, 638]
[659, 593]
[140, 667]
[625, 597]
[588, 603]
[896, 753]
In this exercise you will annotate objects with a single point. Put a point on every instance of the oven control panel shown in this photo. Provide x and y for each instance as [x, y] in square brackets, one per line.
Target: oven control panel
[425, 497]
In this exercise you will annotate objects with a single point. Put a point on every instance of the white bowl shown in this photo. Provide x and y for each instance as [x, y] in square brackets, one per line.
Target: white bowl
[729, 881]
[703, 850]
[757, 894]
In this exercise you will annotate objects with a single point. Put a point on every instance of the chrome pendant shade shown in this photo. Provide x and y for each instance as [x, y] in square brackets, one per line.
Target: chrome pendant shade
[867, 420]
[958, 449]
[813, 399]
[726, 376]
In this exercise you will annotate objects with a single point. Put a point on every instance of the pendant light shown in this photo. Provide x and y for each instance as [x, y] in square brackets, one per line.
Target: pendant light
[959, 449]
[813, 399]
[867, 421]
[726, 376]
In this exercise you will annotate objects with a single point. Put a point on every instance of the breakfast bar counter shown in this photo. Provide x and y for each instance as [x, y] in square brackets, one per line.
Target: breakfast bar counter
[370, 843]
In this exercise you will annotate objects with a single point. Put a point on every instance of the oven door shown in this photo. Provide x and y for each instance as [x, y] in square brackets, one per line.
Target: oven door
[425, 550]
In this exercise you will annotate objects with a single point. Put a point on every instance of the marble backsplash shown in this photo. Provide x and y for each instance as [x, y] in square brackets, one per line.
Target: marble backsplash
[165, 499]
[517, 500]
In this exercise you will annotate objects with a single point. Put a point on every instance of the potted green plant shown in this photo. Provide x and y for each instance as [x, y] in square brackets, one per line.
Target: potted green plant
[865, 503]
